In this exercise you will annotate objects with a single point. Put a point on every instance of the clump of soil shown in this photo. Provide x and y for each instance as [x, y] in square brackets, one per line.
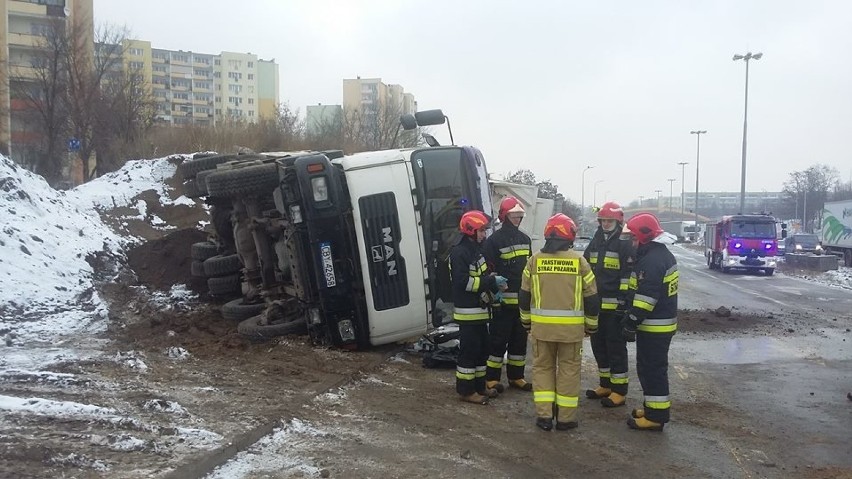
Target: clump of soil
[161, 263]
[719, 320]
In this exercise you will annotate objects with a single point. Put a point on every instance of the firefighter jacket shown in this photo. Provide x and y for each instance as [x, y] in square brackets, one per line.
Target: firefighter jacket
[470, 278]
[558, 296]
[653, 285]
[612, 261]
[506, 252]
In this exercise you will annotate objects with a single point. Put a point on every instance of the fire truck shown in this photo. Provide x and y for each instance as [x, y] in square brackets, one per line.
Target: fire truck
[743, 242]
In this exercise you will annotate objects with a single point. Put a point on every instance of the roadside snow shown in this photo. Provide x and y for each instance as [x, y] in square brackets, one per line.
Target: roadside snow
[270, 454]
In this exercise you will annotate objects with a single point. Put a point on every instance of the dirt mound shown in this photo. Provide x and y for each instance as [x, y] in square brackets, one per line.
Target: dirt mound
[721, 320]
[164, 262]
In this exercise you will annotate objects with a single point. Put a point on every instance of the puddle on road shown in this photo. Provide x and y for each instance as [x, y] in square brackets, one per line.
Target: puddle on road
[744, 350]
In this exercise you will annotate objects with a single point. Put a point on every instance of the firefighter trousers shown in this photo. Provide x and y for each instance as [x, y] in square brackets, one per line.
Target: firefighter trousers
[610, 352]
[556, 378]
[506, 334]
[473, 352]
[652, 366]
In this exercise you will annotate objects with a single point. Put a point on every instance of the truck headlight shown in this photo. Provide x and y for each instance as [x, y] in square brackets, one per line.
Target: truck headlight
[320, 188]
[818, 248]
[798, 247]
[347, 332]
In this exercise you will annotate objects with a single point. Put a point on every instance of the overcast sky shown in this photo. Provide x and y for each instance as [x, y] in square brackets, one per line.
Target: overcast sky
[556, 86]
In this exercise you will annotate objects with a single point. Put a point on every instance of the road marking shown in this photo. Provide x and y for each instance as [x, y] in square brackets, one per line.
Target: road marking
[681, 372]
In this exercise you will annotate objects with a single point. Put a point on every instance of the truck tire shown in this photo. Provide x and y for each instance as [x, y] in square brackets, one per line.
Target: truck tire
[225, 285]
[188, 169]
[203, 250]
[847, 257]
[197, 269]
[258, 180]
[238, 310]
[726, 270]
[220, 265]
[201, 181]
[190, 189]
[254, 329]
[769, 271]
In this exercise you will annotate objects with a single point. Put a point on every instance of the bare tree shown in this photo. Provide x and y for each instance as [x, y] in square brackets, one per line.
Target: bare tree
[88, 71]
[811, 187]
[370, 129]
[38, 102]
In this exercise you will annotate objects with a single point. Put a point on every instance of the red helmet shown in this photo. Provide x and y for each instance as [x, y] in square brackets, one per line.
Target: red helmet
[510, 204]
[645, 227]
[611, 211]
[471, 221]
[560, 226]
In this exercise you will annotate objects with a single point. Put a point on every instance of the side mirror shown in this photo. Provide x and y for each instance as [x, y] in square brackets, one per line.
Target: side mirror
[783, 226]
[430, 140]
[783, 234]
[430, 117]
[408, 121]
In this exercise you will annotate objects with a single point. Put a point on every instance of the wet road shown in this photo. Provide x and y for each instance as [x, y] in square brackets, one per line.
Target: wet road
[700, 288]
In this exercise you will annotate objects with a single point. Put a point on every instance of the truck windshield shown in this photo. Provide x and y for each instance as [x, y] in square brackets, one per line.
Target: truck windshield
[746, 229]
[806, 240]
[446, 188]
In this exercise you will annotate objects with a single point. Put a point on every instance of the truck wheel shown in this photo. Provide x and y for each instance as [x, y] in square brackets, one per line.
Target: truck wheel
[201, 181]
[188, 169]
[190, 189]
[253, 327]
[198, 269]
[847, 257]
[238, 310]
[222, 265]
[769, 271]
[203, 250]
[258, 180]
[726, 270]
[225, 285]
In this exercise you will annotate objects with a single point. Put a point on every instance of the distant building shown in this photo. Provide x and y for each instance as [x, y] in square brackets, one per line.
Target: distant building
[319, 118]
[203, 89]
[721, 203]
[24, 26]
[371, 96]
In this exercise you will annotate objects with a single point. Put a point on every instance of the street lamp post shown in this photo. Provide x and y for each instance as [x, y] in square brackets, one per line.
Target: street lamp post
[595, 193]
[746, 58]
[671, 186]
[682, 184]
[697, 134]
[606, 195]
[583, 197]
[658, 201]
[640, 201]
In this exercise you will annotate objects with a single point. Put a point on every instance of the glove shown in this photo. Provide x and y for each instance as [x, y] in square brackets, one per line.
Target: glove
[498, 297]
[502, 282]
[628, 328]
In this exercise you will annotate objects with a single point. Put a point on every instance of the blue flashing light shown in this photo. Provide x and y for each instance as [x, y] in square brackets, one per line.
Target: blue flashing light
[463, 201]
[738, 245]
[768, 246]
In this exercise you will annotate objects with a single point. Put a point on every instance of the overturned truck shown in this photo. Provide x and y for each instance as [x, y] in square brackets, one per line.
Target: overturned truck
[352, 247]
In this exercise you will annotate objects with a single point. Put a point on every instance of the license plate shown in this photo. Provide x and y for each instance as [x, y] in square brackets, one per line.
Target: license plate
[327, 265]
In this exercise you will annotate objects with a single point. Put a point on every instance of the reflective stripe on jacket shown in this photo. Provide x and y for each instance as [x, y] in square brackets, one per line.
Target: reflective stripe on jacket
[557, 283]
[654, 287]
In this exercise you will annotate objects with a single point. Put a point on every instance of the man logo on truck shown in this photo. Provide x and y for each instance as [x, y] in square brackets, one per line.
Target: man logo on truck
[387, 238]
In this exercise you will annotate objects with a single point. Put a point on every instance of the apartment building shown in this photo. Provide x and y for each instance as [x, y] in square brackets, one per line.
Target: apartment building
[371, 95]
[23, 29]
[722, 202]
[203, 89]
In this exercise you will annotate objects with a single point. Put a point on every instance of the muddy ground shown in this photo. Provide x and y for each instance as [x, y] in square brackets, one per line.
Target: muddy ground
[188, 393]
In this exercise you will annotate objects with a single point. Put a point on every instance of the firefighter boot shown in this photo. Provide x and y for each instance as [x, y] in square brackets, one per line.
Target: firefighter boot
[643, 424]
[598, 392]
[475, 398]
[490, 393]
[544, 423]
[564, 426]
[638, 412]
[614, 400]
[495, 385]
[520, 384]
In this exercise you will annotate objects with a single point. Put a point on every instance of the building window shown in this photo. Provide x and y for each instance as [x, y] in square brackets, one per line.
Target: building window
[218, 99]
[235, 88]
[251, 101]
[217, 62]
[251, 89]
[217, 75]
[137, 65]
[251, 113]
[235, 76]
[136, 52]
[219, 111]
[251, 76]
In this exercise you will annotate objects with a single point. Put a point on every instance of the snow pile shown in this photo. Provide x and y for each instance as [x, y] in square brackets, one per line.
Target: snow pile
[53, 243]
[46, 238]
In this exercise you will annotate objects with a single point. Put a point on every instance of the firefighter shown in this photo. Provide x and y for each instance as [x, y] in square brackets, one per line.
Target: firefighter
[559, 303]
[651, 319]
[474, 289]
[611, 257]
[506, 253]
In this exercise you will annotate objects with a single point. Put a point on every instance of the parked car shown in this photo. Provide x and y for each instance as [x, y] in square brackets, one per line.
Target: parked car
[803, 243]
